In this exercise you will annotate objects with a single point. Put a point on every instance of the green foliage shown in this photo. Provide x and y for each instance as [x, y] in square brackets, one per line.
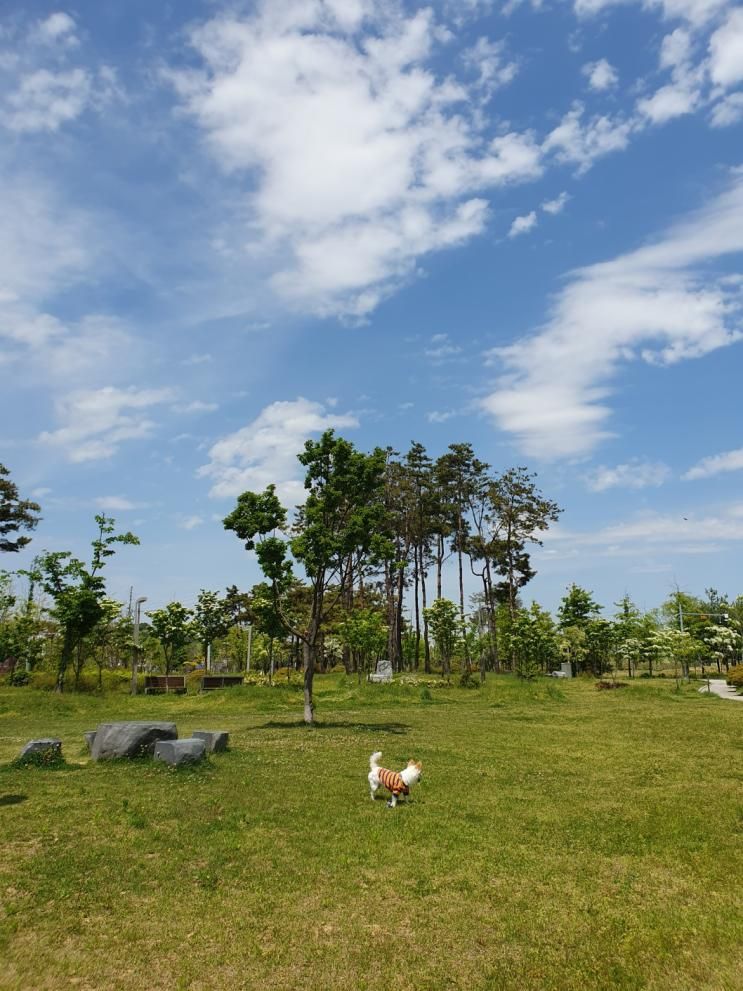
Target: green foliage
[15, 514]
[364, 632]
[735, 676]
[173, 628]
[211, 619]
[446, 629]
[78, 592]
[577, 608]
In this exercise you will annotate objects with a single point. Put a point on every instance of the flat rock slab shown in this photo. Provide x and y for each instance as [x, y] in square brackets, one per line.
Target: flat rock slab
[216, 740]
[177, 752]
[90, 739]
[131, 739]
[383, 673]
[49, 745]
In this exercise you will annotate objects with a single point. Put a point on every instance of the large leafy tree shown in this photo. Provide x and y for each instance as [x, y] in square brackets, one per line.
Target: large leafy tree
[15, 514]
[78, 591]
[519, 514]
[212, 618]
[363, 631]
[447, 630]
[342, 520]
[172, 627]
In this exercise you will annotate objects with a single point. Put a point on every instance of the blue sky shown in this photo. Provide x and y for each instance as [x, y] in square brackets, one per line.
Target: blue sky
[227, 226]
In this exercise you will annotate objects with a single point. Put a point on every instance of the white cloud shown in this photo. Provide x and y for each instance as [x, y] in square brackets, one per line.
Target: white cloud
[716, 464]
[679, 533]
[696, 12]
[357, 158]
[115, 504]
[601, 75]
[523, 225]
[57, 28]
[655, 303]
[45, 100]
[728, 111]
[97, 421]
[442, 349]
[668, 102]
[440, 416]
[581, 143]
[556, 205]
[488, 58]
[195, 406]
[191, 522]
[635, 474]
[198, 359]
[726, 51]
[265, 451]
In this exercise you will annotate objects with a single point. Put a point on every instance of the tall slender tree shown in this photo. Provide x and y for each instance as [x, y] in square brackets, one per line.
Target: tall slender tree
[344, 515]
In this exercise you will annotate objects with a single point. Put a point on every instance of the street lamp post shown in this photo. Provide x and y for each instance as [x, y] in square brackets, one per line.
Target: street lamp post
[135, 649]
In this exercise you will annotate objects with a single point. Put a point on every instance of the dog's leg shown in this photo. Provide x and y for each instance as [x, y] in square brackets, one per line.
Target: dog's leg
[392, 802]
[373, 785]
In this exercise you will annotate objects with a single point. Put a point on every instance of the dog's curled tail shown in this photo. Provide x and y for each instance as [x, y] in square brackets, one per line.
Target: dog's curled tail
[374, 759]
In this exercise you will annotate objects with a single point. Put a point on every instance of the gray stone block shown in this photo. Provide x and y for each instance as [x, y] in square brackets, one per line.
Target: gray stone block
[383, 672]
[90, 740]
[49, 745]
[216, 740]
[130, 739]
[177, 752]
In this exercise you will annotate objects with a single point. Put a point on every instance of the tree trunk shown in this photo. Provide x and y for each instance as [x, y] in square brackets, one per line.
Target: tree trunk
[426, 644]
[64, 662]
[308, 654]
[416, 580]
[399, 618]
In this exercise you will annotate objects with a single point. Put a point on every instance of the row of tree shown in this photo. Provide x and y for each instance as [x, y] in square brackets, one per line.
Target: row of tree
[372, 539]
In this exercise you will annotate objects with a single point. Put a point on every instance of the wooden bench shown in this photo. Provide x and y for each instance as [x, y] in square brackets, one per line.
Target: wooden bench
[210, 682]
[156, 684]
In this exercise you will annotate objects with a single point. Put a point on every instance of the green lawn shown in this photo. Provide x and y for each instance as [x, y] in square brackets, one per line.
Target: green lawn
[561, 838]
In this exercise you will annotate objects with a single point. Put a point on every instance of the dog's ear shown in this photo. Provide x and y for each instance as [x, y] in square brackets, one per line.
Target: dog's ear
[419, 765]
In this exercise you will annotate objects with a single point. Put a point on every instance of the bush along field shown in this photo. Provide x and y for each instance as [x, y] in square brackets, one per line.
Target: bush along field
[560, 838]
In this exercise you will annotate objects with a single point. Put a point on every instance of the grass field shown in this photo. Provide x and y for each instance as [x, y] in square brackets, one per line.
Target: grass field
[561, 838]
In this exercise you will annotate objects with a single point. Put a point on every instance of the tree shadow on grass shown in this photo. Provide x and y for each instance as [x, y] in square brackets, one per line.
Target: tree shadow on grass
[12, 799]
[397, 728]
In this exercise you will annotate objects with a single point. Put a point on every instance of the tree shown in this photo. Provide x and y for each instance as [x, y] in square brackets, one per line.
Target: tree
[15, 514]
[577, 608]
[78, 591]
[534, 643]
[364, 632]
[211, 618]
[446, 629]
[172, 627]
[342, 520]
[519, 513]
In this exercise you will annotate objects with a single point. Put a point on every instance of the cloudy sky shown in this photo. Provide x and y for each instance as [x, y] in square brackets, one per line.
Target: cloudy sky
[225, 227]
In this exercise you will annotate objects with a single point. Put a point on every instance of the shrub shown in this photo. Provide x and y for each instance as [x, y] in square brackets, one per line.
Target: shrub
[735, 676]
[468, 680]
[48, 760]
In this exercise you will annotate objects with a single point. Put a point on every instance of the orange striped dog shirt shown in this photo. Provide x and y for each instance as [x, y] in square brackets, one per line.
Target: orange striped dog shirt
[392, 781]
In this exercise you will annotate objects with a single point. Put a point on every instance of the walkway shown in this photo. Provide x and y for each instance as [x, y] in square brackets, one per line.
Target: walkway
[718, 686]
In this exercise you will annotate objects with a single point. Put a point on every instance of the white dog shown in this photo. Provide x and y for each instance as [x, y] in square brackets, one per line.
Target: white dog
[396, 782]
